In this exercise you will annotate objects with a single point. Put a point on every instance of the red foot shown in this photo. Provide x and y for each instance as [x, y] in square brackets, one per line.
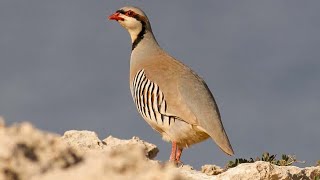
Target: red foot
[175, 154]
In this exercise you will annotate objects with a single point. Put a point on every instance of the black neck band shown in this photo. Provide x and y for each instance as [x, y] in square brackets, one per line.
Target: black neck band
[140, 35]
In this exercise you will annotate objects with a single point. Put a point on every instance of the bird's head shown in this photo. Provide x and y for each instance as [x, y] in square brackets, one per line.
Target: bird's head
[133, 19]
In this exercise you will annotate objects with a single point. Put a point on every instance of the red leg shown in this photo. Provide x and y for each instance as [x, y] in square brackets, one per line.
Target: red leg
[173, 152]
[178, 154]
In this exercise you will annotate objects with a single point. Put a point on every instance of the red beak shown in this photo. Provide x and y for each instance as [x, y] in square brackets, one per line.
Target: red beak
[115, 16]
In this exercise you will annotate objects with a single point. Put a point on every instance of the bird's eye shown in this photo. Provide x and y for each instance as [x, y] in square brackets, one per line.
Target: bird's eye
[129, 13]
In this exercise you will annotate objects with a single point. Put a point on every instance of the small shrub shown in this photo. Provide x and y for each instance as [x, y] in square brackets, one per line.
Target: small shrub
[286, 160]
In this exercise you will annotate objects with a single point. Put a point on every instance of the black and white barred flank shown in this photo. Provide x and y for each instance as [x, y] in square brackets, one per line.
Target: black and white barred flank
[149, 99]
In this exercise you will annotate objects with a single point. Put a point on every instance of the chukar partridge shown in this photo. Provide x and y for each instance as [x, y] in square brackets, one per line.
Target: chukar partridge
[170, 97]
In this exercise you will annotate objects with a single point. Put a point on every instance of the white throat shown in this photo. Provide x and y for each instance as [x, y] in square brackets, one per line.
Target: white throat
[134, 33]
[133, 26]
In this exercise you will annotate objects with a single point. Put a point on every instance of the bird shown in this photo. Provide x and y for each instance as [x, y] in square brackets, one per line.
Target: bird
[170, 96]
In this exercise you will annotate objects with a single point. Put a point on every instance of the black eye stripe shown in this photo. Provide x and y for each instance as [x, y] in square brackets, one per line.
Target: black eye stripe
[121, 11]
[136, 16]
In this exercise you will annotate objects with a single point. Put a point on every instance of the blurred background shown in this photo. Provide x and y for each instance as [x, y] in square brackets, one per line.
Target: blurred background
[64, 66]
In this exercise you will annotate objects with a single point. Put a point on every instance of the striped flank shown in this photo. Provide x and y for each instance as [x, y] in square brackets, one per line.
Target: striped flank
[149, 100]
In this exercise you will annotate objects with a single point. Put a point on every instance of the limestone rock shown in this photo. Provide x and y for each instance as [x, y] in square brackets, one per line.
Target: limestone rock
[83, 140]
[211, 169]
[150, 150]
[265, 170]
[87, 141]
[27, 153]
[122, 163]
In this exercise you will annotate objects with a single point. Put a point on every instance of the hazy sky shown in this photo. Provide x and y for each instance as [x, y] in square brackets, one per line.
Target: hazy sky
[64, 66]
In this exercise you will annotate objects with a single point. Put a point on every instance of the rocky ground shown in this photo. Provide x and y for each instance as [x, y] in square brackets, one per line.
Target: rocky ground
[27, 153]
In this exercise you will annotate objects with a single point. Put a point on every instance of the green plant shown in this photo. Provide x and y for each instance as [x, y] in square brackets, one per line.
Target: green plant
[286, 160]
[238, 161]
